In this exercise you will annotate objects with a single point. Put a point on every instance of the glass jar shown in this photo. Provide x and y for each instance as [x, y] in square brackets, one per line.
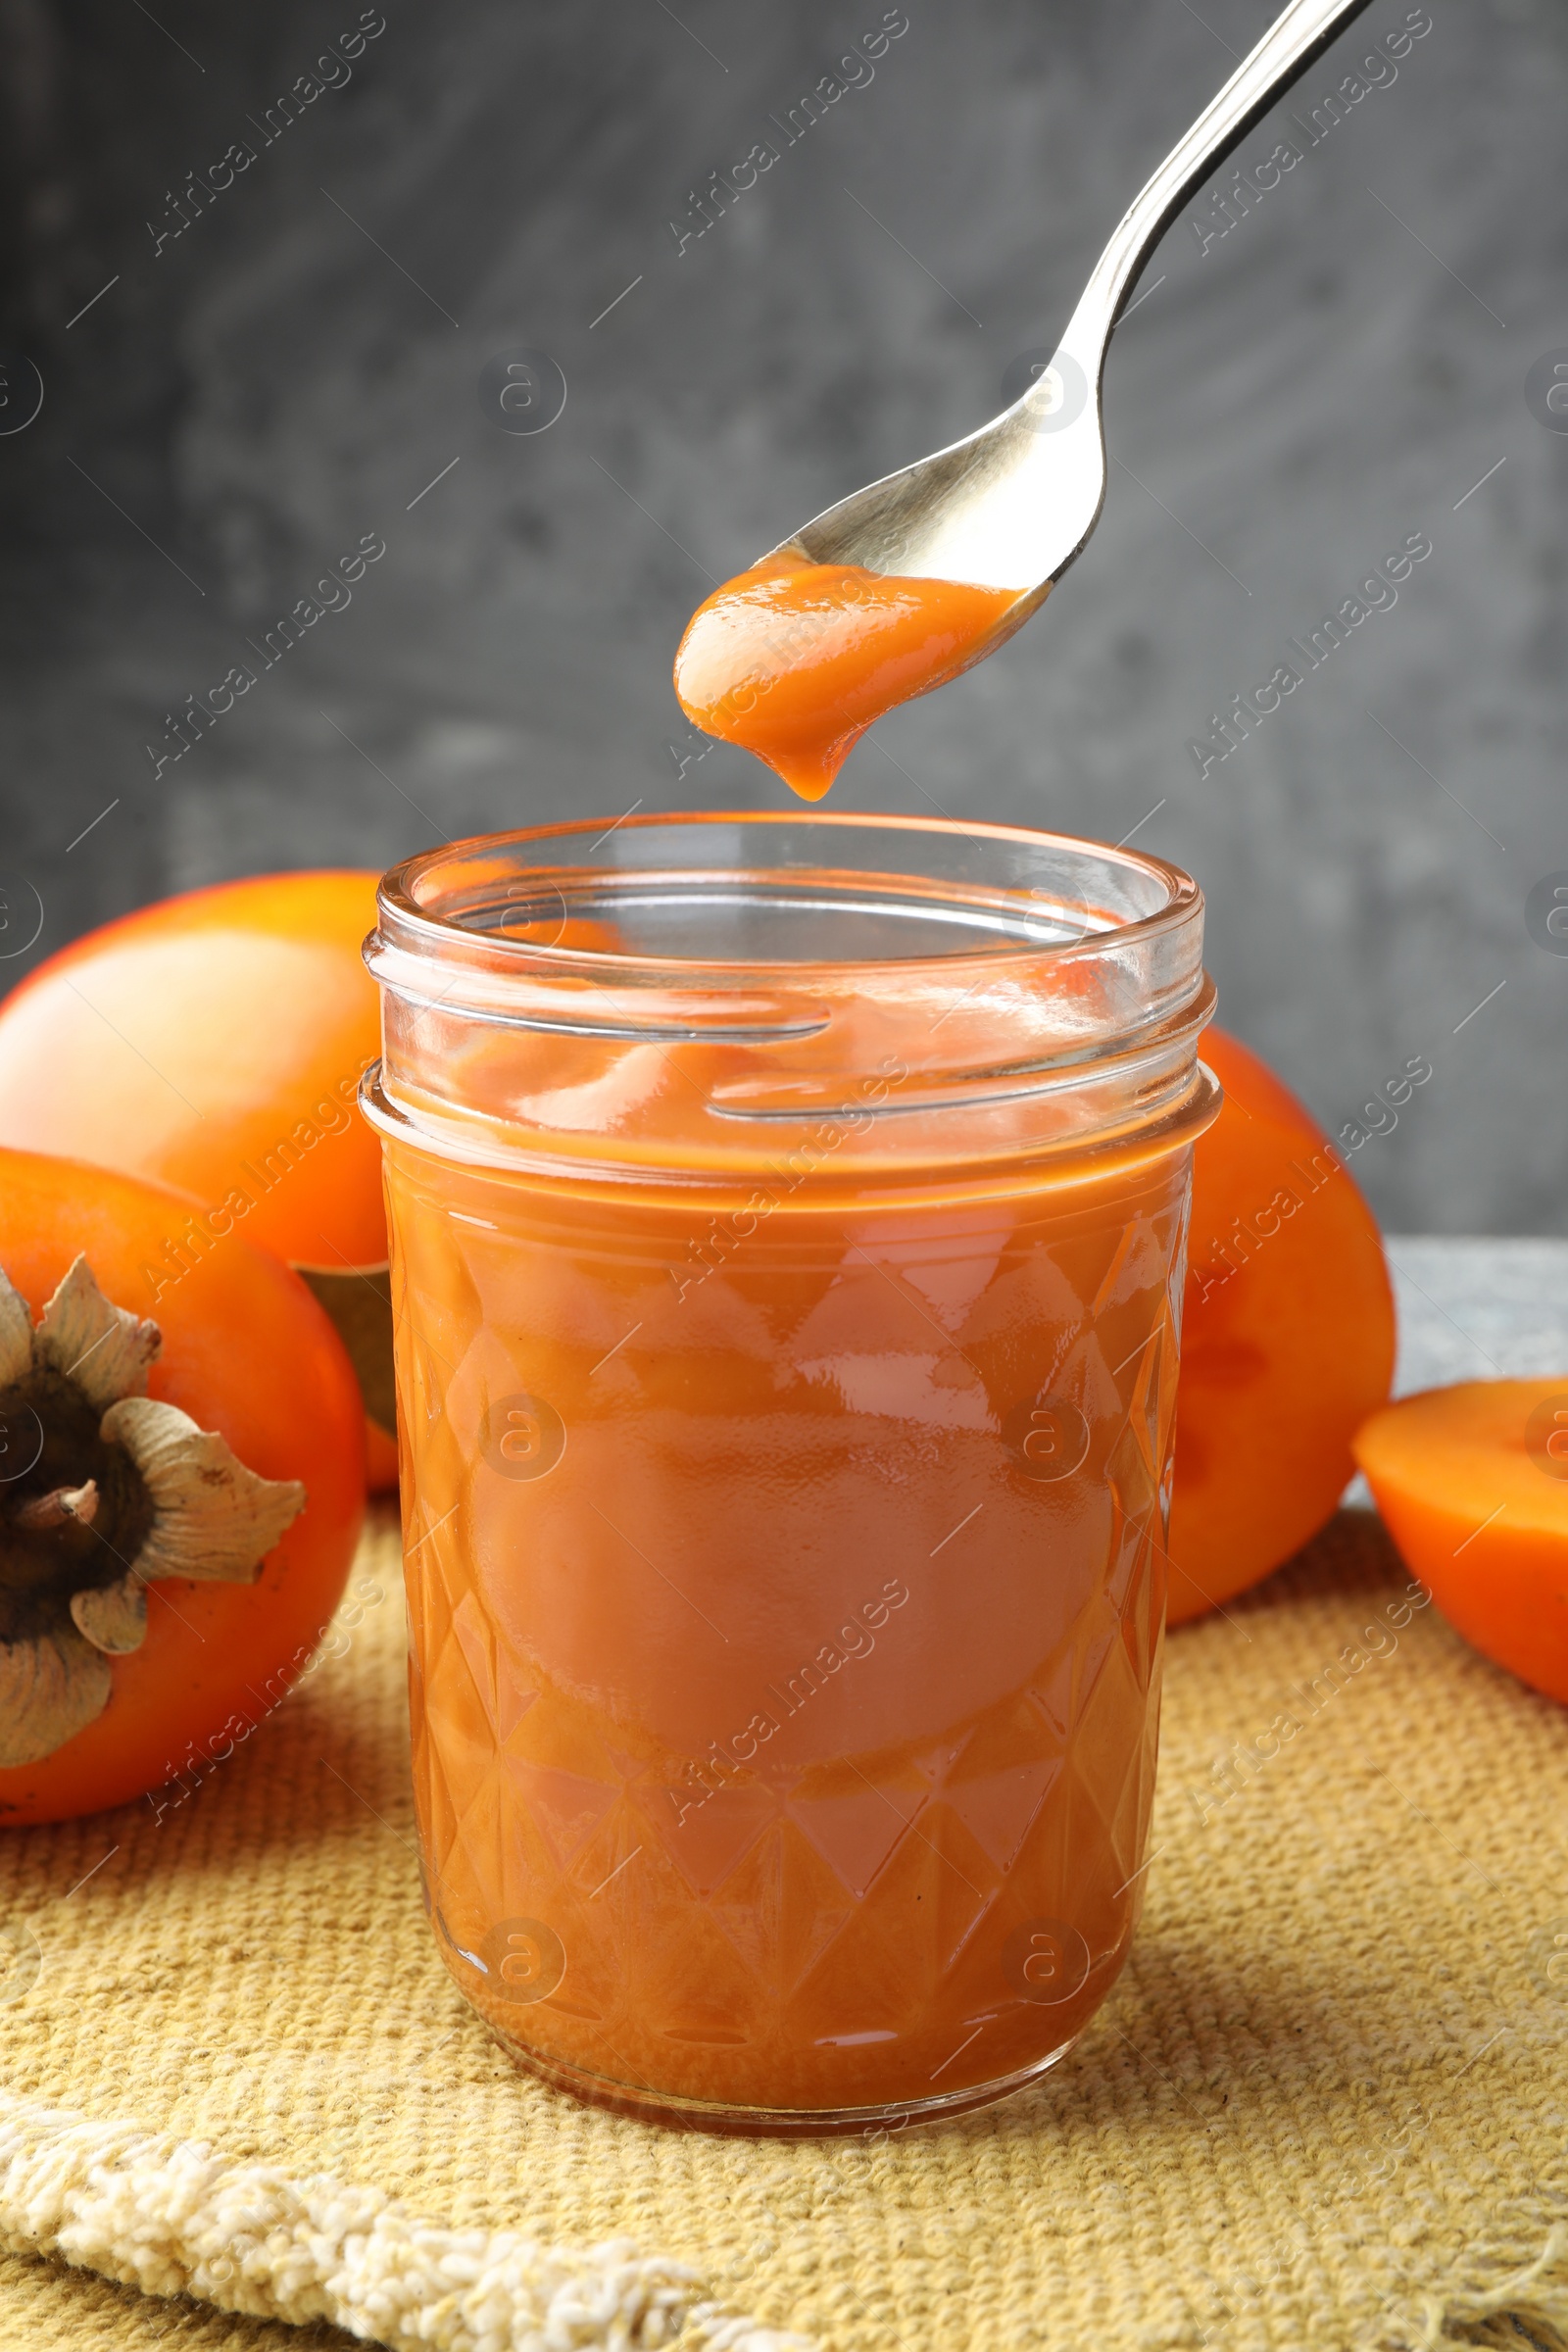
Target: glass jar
[788, 1219]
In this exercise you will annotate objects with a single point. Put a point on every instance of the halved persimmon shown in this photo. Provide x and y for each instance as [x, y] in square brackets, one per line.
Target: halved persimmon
[182, 1489]
[1288, 1336]
[214, 1042]
[1472, 1482]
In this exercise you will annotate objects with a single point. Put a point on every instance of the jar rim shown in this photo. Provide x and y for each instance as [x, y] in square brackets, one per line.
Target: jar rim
[417, 925]
[538, 1023]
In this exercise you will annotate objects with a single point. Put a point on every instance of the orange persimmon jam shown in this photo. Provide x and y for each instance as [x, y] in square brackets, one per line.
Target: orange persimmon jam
[787, 1224]
[794, 660]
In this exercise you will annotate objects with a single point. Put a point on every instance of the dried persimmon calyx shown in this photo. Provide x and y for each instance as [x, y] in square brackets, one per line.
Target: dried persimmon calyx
[121, 1489]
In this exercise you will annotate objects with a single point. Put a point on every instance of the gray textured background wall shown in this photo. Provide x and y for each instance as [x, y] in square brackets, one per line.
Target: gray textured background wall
[1287, 404]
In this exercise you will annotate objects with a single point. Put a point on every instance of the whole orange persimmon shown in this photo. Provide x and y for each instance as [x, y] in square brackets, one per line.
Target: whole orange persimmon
[1288, 1337]
[179, 1498]
[214, 1042]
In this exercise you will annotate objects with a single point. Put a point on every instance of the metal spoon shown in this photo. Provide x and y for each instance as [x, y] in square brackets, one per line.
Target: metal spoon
[1011, 506]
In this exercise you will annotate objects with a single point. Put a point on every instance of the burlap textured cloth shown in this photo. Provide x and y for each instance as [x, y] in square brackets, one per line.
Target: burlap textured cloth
[1325, 2107]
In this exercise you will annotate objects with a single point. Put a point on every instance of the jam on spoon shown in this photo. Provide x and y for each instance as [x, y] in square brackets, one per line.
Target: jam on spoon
[794, 659]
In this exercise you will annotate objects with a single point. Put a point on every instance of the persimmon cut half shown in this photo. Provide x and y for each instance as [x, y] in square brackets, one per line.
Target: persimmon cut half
[181, 1490]
[214, 1042]
[1472, 1482]
[1288, 1337]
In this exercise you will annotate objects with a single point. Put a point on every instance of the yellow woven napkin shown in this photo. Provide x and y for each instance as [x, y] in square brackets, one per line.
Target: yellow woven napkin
[1325, 2107]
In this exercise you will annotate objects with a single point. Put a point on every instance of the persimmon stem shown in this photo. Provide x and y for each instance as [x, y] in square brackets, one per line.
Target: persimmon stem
[61, 1504]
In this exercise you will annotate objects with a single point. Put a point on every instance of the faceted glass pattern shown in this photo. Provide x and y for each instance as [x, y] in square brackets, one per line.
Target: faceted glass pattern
[784, 1691]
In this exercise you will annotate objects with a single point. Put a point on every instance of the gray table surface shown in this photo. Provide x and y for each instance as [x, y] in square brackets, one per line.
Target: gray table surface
[1478, 1309]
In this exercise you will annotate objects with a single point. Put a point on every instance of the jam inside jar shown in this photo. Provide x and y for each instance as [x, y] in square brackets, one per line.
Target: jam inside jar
[788, 1219]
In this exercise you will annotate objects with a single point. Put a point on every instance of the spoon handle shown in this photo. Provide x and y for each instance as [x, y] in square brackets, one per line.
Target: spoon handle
[1301, 33]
